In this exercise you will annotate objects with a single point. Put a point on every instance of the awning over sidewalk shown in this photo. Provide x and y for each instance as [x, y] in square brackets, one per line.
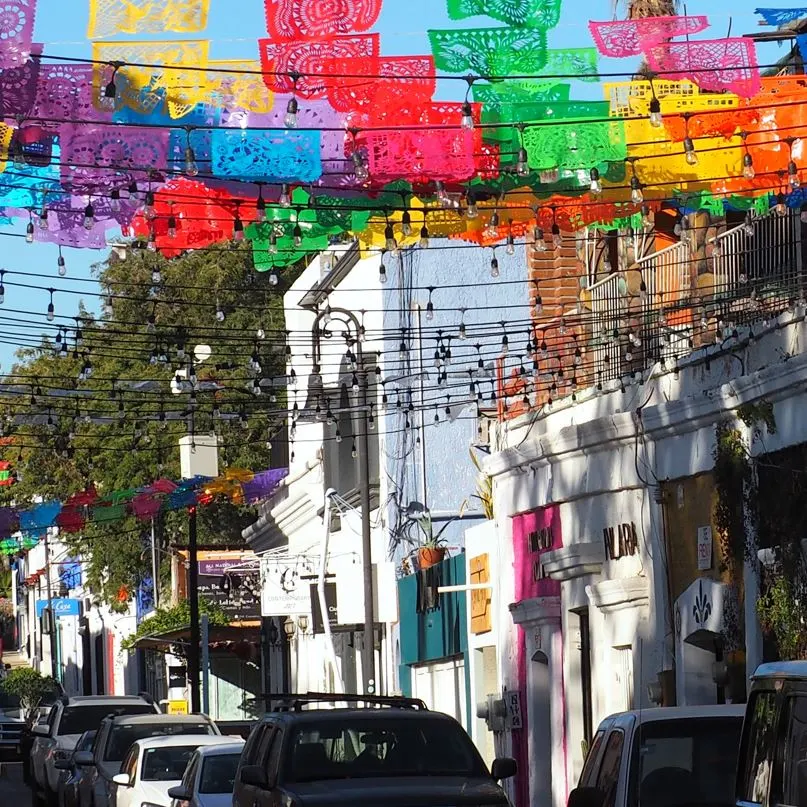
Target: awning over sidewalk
[217, 634]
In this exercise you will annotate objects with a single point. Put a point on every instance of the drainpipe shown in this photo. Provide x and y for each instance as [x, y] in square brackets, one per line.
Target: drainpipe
[323, 606]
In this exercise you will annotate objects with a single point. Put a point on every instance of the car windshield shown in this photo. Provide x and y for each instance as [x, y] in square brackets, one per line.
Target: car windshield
[85, 741]
[218, 773]
[121, 738]
[166, 764]
[358, 746]
[685, 762]
[78, 719]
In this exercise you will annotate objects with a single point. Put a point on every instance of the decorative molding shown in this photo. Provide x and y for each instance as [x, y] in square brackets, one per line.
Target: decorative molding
[536, 611]
[577, 560]
[620, 594]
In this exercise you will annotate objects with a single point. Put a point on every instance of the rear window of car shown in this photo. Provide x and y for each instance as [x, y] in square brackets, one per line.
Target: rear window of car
[689, 761]
[121, 738]
[166, 764]
[218, 773]
[78, 719]
[358, 747]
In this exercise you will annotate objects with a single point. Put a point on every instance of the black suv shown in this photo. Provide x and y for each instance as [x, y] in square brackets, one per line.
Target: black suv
[363, 750]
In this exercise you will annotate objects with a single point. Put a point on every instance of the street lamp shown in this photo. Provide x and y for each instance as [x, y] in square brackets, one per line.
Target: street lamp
[361, 426]
[289, 628]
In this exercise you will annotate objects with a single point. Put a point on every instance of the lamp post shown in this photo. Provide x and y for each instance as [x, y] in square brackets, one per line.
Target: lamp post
[361, 425]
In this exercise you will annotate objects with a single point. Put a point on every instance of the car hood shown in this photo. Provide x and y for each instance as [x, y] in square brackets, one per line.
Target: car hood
[11, 716]
[403, 791]
[155, 792]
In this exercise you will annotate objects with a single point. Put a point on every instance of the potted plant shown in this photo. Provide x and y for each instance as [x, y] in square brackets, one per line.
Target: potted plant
[433, 547]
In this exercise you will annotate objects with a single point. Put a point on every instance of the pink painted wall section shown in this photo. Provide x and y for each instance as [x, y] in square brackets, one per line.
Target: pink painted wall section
[541, 528]
[533, 534]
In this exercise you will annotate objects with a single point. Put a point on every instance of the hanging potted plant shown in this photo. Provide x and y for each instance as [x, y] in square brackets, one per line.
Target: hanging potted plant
[433, 547]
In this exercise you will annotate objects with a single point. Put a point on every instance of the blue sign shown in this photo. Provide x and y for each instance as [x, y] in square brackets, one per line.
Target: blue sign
[60, 607]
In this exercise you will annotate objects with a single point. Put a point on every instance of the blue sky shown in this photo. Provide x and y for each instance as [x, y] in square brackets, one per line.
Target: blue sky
[235, 26]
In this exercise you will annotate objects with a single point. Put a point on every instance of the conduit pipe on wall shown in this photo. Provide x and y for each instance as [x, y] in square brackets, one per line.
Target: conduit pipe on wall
[323, 606]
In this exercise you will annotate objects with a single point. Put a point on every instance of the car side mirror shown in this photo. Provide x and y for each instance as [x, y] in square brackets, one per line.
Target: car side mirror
[40, 731]
[62, 765]
[255, 776]
[586, 797]
[83, 758]
[122, 779]
[504, 768]
[180, 793]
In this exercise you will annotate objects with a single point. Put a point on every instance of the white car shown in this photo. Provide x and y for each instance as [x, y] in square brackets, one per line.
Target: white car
[153, 766]
[210, 777]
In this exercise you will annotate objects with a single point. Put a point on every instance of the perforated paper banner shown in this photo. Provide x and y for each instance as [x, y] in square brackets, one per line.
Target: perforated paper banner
[562, 63]
[110, 17]
[16, 31]
[490, 52]
[621, 38]
[312, 19]
[520, 13]
[308, 58]
[781, 16]
[713, 64]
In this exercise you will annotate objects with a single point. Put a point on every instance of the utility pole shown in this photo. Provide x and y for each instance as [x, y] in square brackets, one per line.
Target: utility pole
[194, 649]
[362, 426]
[51, 620]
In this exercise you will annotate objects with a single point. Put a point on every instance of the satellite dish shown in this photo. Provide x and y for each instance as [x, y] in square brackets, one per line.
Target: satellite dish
[202, 353]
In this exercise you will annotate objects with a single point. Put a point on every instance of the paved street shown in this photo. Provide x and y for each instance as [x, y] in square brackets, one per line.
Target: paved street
[12, 789]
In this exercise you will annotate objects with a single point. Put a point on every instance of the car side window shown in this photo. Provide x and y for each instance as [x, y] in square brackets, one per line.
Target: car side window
[129, 765]
[52, 718]
[789, 780]
[273, 761]
[190, 772]
[758, 747]
[253, 741]
[262, 754]
[589, 768]
[608, 778]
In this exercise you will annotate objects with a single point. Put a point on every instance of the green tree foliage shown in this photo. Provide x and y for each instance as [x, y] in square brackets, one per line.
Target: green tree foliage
[64, 430]
[30, 687]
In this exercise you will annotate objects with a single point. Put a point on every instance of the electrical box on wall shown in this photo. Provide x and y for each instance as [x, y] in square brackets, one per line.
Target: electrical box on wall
[494, 712]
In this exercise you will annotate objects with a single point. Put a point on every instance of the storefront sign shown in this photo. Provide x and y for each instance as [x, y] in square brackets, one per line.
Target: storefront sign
[283, 592]
[704, 548]
[540, 541]
[237, 593]
[61, 607]
[176, 708]
[481, 621]
[330, 604]
[620, 541]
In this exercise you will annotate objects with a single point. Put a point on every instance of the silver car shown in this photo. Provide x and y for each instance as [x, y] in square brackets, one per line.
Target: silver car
[209, 778]
[56, 740]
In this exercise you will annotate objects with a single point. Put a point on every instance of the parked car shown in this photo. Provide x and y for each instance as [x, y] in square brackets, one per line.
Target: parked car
[116, 736]
[68, 719]
[210, 777]
[662, 758]
[771, 767]
[395, 753]
[153, 766]
[67, 792]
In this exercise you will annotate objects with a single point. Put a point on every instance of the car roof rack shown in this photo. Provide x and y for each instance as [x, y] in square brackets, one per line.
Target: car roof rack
[294, 702]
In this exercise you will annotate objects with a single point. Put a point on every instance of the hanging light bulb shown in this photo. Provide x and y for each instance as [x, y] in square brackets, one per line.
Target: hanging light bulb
[51, 309]
[148, 207]
[238, 228]
[748, 226]
[406, 224]
[467, 121]
[3, 290]
[172, 226]
[360, 170]
[781, 204]
[297, 235]
[596, 183]
[151, 245]
[191, 166]
[442, 196]
[748, 167]
[493, 224]
[292, 108]
[636, 195]
[260, 207]
[389, 235]
[473, 211]
[647, 216]
[557, 238]
[132, 190]
[382, 274]
[273, 243]
[61, 267]
[430, 311]
[18, 153]
[522, 164]
[494, 267]
[424, 237]
[655, 113]
[689, 151]
[43, 218]
[220, 315]
[273, 279]
[285, 196]
[539, 239]
[793, 175]
[89, 216]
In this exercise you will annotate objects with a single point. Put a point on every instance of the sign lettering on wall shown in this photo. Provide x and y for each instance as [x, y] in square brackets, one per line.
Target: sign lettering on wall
[330, 605]
[539, 541]
[481, 621]
[61, 607]
[620, 541]
[513, 702]
[704, 548]
[283, 591]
